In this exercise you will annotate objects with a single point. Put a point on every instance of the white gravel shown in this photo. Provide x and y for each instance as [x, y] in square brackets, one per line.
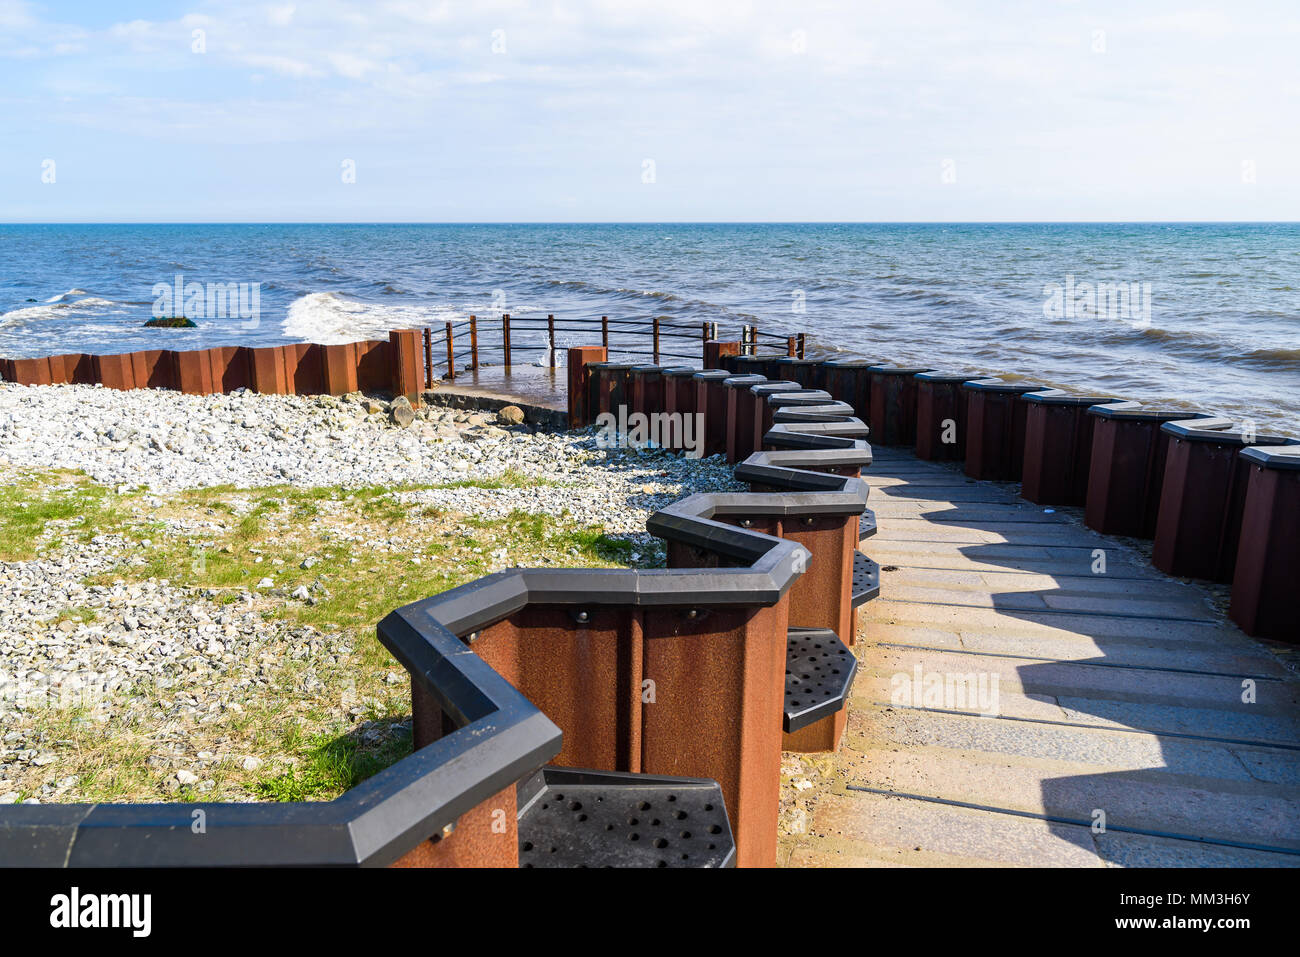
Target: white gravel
[169, 441]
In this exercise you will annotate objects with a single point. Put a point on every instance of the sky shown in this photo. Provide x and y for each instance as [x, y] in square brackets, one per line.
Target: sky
[672, 110]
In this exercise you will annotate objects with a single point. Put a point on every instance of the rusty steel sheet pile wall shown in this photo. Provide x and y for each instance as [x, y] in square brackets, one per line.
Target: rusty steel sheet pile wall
[743, 687]
[1178, 477]
[708, 668]
[391, 365]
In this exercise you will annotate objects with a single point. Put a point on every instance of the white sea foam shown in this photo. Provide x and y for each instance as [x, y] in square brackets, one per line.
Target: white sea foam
[58, 308]
[328, 318]
[64, 296]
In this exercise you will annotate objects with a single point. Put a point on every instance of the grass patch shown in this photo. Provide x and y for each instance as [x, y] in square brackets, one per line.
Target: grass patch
[360, 552]
[329, 766]
[39, 511]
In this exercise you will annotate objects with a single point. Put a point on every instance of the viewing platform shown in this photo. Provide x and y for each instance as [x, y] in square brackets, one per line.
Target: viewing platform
[1119, 693]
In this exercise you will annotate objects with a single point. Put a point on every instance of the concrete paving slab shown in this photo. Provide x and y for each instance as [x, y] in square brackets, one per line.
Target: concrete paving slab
[1137, 800]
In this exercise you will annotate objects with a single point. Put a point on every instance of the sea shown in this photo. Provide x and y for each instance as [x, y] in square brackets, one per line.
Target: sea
[1202, 315]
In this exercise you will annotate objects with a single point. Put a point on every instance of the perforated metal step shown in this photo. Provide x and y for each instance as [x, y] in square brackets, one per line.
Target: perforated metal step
[571, 817]
[819, 669]
[867, 525]
[866, 579]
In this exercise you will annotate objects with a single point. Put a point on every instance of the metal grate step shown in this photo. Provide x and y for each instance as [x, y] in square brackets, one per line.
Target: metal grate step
[867, 525]
[819, 669]
[866, 579]
[571, 817]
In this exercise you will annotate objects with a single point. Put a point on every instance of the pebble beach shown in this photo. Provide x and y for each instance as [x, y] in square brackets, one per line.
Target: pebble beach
[86, 621]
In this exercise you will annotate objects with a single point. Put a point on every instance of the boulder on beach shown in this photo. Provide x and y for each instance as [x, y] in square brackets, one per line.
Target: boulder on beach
[401, 413]
[511, 415]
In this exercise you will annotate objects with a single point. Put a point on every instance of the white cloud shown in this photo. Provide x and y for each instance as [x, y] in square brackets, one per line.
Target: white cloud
[873, 90]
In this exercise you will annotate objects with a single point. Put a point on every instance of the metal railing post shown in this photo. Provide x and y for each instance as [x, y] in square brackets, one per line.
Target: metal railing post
[604, 331]
[428, 358]
[656, 340]
[550, 336]
[505, 337]
[473, 343]
[451, 356]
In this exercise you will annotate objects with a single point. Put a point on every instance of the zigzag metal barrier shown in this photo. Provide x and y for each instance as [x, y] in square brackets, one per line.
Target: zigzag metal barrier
[1220, 501]
[707, 668]
[673, 691]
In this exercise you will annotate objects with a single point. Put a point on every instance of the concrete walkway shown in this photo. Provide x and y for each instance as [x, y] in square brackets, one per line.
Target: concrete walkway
[1116, 696]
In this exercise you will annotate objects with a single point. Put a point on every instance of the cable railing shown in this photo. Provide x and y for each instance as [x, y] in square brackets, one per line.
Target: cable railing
[467, 345]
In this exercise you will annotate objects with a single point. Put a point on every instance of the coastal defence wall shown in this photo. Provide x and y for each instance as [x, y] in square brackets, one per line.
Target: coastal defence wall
[395, 365]
[677, 689]
[583, 717]
[1218, 501]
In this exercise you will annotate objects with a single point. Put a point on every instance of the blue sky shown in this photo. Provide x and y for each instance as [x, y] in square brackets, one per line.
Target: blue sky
[937, 110]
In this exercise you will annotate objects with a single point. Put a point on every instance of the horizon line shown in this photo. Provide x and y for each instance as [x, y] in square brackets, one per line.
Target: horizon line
[661, 222]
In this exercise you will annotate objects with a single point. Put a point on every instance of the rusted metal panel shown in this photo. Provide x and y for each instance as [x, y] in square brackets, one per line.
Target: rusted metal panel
[373, 364]
[1058, 447]
[1268, 554]
[270, 371]
[803, 371]
[719, 682]
[406, 356]
[711, 400]
[749, 365]
[154, 369]
[941, 416]
[692, 691]
[73, 368]
[893, 405]
[715, 349]
[115, 371]
[305, 363]
[740, 415]
[230, 368]
[194, 372]
[1128, 466]
[1203, 499]
[611, 384]
[755, 408]
[485, 836]
[647, 389]
[995, 428]
[340, 361]
[849, 380]
[30, 371]
[581, 674]
[581, 411]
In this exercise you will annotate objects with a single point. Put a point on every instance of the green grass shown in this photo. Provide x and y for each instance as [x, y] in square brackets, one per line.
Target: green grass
[328, 766]
[309, 741]
[42, 510]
